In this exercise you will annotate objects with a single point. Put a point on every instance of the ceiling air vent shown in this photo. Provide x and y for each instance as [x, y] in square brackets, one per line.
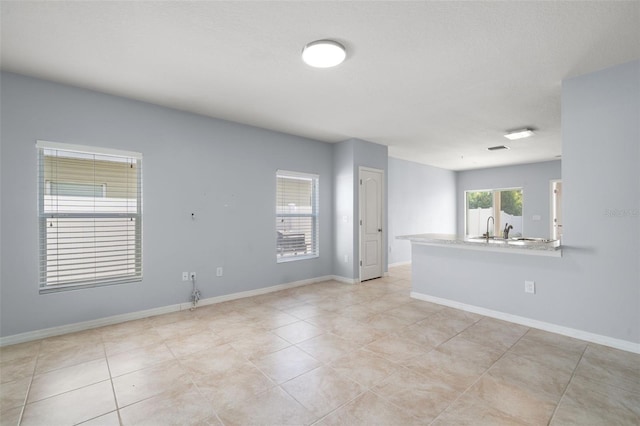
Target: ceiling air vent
[497, 148]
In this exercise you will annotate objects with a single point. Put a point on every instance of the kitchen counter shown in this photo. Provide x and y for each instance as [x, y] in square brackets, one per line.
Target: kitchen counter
[524, 246]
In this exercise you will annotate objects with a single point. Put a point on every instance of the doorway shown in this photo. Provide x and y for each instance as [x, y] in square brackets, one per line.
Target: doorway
[371, 195]
[556, 209]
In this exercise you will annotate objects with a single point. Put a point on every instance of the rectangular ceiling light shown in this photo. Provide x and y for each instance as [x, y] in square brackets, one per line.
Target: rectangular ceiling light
[519, 134]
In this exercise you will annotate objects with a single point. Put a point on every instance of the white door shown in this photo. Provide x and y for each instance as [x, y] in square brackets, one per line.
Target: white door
[371, 187]
[556, 210]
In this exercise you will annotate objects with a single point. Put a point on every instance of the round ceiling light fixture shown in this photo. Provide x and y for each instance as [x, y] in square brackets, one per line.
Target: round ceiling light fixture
[323, 54]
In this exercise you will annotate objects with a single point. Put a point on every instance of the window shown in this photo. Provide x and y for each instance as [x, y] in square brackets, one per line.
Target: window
[480, 205]
[296, 216]
[90, 216]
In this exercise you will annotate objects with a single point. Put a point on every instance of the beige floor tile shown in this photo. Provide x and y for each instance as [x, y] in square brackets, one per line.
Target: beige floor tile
[322, 390]
[611, 366]
[327, 347]
[304, 311]
[272, 407]
[17, 368]
[369, 409]
[71, 407]
[20, 350]
[473, 412]
[64, 342]
[364, 367]
[214, 360]
[520, 403]
[358, 312]
[568, 344]
[298, 331]
[68, 378]
[416, 395]
[589, 403]
[274, 320]
[126, 343]
[142, 384]
[184, 327]
[545, 382]
[183, 406]
[395, 348]
[137, 359]
[387, 302]
[443, 368]
[109, 419]
[426, 335]
[386, 323]
[359, 333]
[259, 345]
[14, 394]
[232, 387]
[176, 316]
[413, 312]
[552, 355]
[286, 364]
[461, 348]
[52, 360]
[182, 345]
[495, 333]
[231, 332]
[10, 417]
[126, 328]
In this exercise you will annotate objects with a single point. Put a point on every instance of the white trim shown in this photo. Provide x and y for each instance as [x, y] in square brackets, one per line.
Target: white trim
[88, 149]
[402, 263]
[624, 345]
[116, 319]
[345, 280]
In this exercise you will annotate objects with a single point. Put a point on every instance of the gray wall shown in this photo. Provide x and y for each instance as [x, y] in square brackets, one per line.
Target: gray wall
[534, 179]
[595, 286]
[221, 171]
[349, 155]
[422, 199]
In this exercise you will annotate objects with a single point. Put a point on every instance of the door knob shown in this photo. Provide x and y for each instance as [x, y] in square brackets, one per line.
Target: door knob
[379, 229]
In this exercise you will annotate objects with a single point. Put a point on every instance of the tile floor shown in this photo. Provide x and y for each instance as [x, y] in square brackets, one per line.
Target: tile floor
[323, 354]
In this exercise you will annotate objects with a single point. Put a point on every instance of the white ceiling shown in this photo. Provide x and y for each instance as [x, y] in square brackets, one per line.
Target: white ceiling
[438, 82]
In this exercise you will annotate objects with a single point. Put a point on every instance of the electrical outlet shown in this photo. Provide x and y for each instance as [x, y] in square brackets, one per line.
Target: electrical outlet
[219, 271]
[346, 258]
[192, 275]
[185, 276]
[530, 287]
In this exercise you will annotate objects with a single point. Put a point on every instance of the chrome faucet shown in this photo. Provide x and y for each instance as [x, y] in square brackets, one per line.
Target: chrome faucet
[494, 222]
[507, 228]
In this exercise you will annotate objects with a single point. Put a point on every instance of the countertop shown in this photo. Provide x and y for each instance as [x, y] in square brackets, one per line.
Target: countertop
[534, 246]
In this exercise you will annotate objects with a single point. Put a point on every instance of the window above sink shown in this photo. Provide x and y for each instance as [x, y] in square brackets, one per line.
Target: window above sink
[503, 205]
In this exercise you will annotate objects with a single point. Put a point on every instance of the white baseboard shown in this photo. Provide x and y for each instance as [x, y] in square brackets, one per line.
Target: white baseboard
[404, 262]
[116, 319]
[546, 326]
[345, 280]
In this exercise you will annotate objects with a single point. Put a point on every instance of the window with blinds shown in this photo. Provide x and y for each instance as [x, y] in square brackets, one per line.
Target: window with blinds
[90, 216]
[296, 216]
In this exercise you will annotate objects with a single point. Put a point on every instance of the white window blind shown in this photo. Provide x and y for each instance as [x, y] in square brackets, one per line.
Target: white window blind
[296, 215]
[90, 216]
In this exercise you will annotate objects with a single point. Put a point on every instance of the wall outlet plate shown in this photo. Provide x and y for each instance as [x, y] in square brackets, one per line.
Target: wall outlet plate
[185, 276]
[219, 271]
[530, 287]
[192, 275]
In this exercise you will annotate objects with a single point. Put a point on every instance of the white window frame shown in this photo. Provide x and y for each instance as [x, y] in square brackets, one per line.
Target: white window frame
[289, 255]
[49, 285]
[496, 227]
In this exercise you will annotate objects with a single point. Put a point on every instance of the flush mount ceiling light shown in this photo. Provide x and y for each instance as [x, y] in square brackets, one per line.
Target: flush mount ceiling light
[519, 134]
[323, 53]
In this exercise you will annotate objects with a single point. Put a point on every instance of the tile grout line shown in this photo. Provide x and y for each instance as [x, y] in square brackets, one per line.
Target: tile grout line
[33, 375]
[564, 392]
[113, 389]
[483, 374]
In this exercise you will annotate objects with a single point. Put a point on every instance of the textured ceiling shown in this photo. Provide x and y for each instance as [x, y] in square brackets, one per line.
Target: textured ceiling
[438, 82]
